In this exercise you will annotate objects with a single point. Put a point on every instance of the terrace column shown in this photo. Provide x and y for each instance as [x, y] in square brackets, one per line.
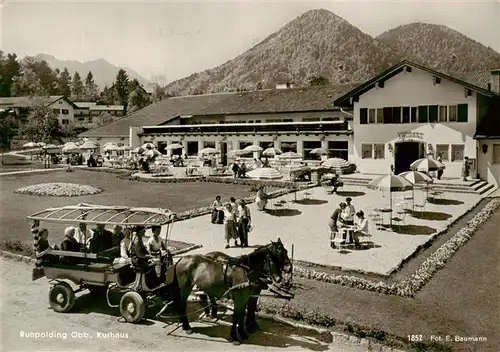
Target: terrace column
[277, 144]
[184, 147]
[169, 151]
[300, 147]
[200, 145]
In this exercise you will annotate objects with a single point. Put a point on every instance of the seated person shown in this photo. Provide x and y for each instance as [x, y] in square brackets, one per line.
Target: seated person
[155, 246]
[125, 247]
[101, 240]
[44, 247]
[117, 236]
[139, 254]
[70, 244]
[336, 218]
[82, 234]
[361, 227]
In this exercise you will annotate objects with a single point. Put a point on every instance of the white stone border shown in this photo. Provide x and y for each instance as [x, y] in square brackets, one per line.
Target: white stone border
[409, 286]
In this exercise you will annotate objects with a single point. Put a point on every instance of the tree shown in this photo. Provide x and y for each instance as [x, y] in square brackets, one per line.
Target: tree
[27, 84]
[65, 83]
[102, 119]
[108, 96]
[47, 77]
[122, 88]
[138, 97]
[8, 129]
[77, 88]
[318, 81]
[91, 89]
[9, 70]
[42, 125]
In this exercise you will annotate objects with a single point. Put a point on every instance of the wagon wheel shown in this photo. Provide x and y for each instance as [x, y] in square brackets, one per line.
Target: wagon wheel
[61, 297]
[132, 307]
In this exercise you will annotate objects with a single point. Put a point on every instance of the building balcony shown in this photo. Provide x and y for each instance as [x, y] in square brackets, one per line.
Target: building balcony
[277, 128]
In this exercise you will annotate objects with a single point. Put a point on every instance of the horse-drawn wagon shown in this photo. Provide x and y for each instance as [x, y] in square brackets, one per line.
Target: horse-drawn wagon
[98, 272]
[214, 275]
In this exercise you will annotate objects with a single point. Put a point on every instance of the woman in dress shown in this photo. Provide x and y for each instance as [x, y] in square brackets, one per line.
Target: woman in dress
[466, 168]
[230, 232]
[261, 199]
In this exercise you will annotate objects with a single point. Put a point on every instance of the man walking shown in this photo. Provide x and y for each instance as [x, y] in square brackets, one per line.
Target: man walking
[244, 223]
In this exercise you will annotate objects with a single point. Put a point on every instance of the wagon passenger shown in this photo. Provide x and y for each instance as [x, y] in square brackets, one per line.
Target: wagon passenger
[140, 256]
[125, 246]
[155, 246]
[117, 236]
[69, 242]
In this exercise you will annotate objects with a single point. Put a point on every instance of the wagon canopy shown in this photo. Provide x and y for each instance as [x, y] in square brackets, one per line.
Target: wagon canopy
[105, 214]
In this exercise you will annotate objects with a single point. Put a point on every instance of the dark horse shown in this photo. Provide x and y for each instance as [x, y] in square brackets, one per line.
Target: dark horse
[236, 278]
[277, 250]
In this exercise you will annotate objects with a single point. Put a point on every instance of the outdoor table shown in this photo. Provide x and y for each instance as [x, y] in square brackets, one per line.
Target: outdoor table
[412, 201]
[384, 211]
[348, 233]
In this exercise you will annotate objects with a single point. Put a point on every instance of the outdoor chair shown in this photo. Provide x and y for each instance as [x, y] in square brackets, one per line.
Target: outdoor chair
[366, 239]
[400, 215]
[336, 239]
[376, 218]
[421, 207]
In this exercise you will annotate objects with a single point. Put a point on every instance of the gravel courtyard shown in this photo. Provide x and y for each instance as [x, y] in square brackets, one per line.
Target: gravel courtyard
[304, 224]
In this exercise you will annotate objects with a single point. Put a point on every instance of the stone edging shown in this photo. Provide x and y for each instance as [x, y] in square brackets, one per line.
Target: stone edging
[409, 286]
[19, 257]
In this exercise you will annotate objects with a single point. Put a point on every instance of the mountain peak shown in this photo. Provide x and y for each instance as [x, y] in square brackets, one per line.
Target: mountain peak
[103, 71]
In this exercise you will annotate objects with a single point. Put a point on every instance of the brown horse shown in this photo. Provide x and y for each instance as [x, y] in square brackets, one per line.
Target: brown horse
[275, 249]
[232, 279]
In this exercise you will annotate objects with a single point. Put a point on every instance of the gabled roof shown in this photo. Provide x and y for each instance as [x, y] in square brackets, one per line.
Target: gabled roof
[489, 126]
[317, 98]
[27, 102]
[473, 81]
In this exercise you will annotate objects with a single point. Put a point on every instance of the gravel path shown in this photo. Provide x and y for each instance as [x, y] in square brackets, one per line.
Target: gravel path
[94, 327]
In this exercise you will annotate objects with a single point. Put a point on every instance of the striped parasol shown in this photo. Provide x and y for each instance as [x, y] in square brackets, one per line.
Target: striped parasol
[416, 177]
[391, 183]
[319, 151]
[272, 152]
[111, 147]
[265, 173]
[174, 146]
[149, 146]
[426, 165]
[290, 156]
[88, 145]
[253, 149]
[341, 166]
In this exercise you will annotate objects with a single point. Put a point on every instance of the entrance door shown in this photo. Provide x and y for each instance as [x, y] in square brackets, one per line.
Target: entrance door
[405, 154]
[223, 153]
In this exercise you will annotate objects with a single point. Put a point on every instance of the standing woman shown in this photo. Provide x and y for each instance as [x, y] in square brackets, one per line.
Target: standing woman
[440, 172]
[465, 168]
[244, 222]
[217, 213]
[229, 225]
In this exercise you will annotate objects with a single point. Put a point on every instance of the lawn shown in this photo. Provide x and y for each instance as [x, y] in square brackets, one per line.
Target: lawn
[174, 196]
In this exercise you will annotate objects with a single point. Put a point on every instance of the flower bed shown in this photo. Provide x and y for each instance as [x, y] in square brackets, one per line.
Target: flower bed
[409, 286]
[59, 190]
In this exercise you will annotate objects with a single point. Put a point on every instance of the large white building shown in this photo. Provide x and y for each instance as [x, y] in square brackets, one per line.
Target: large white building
[410, 111]
[404, 113]
[295, 119]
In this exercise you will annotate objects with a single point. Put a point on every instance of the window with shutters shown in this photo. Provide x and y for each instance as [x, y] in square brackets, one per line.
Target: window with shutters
[457, 152]
[496, 153]
[366, 151]
[443, 149]
[443, 114]
[380, 115]
[396, 114]
[379, 151]
[371, 115]
[414, 114]
[406, 114]
[452, 113]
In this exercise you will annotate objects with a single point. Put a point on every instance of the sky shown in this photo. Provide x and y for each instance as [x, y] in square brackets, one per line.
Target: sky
[174, 39]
